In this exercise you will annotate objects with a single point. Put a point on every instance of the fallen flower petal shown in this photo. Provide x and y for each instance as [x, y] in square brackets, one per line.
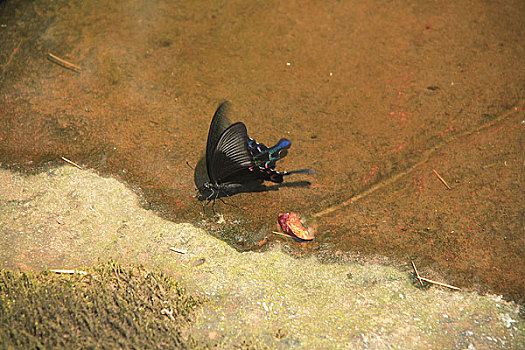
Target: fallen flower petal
[291, 224]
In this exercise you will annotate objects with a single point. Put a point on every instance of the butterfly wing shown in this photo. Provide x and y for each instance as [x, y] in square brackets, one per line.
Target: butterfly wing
[234, 160]
[231, 158]
[219, 124]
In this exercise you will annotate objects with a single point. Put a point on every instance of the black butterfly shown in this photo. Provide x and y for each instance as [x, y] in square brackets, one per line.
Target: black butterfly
[237, 163]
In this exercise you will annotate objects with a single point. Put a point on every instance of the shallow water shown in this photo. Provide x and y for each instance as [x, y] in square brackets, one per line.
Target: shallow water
[373, 96]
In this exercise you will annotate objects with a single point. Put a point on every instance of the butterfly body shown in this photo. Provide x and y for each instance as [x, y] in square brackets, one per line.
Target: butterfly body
[235, 162]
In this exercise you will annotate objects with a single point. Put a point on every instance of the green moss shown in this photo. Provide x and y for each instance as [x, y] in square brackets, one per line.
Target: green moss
[110, 307]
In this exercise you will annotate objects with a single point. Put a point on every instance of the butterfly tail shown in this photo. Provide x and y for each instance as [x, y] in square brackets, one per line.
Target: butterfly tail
[278, 177]
[300, 171]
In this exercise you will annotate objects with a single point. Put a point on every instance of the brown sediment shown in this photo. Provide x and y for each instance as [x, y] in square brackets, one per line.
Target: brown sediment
[372, 98]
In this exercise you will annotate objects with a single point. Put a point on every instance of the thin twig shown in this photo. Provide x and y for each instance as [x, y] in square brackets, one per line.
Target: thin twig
[180, 251]
[282, 234]
[419, 278]
[63, 63]
[70, 272]
[441, 179]
[70, 162]
[417, 273]
[439, 283]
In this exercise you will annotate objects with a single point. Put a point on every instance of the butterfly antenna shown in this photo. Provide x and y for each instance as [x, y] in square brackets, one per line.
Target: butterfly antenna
[189, 166]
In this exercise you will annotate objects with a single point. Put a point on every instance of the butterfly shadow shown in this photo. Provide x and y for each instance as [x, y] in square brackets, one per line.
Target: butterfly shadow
[200, 177]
